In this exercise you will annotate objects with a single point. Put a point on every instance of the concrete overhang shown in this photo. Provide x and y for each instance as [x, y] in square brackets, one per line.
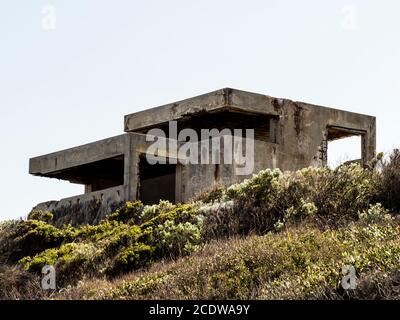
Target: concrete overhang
[90, 158]
[51, 165]
[223, 100]
[214, 102]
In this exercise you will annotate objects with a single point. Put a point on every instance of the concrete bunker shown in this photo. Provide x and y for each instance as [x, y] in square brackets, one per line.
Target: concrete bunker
[288, 135]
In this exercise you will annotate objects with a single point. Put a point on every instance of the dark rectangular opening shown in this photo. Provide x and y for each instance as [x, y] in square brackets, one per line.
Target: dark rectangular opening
[261, 124]
[156, 182]
[97, 175]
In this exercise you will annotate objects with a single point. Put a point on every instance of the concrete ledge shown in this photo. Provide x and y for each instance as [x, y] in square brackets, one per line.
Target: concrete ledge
[88, 153]
[220, 100]
[116, 194]
[88, 208]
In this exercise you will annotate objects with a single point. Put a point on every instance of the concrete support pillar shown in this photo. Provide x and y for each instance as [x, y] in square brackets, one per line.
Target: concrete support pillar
[131, 171]
[368, 146]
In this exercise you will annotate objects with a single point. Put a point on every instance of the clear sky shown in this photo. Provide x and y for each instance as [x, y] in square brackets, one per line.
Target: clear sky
[70, 70]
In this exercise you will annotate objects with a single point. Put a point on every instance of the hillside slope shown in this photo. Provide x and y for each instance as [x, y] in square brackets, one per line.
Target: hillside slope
[274, 236]
[299, 263]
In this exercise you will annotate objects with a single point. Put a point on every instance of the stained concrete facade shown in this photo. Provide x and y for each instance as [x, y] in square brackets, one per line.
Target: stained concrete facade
[289, 135]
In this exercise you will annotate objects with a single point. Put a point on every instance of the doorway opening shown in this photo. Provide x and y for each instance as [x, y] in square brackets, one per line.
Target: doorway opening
[156, 182]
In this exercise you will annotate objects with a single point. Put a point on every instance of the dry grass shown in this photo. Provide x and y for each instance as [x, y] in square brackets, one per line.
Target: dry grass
[300, 263]
[16, 284]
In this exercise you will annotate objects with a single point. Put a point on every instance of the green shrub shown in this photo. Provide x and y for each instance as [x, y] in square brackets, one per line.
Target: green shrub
[48, 257]
[85, 261]
[375, 213]
[179, 213]
[132, 258]
[113, 247]
[341, 193]
[215, 194]
[329, 197]
[150, 212]
[257, 188]
[8, 230]
[44, 216]
[129, 212]
[98, 232]
[139, 287]
[389, 190]
[124, 236]
[175, 240]
[33, 236]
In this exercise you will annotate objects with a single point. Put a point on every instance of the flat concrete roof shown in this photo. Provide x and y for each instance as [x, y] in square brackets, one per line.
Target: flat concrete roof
[226, 99]
[52, 163]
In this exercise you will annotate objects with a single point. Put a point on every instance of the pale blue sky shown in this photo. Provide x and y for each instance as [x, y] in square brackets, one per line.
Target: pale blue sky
[104, 59]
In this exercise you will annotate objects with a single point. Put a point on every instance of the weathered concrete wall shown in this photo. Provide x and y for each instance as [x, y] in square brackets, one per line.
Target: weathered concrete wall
[303, 128]
[85, 209]
[196, 178]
